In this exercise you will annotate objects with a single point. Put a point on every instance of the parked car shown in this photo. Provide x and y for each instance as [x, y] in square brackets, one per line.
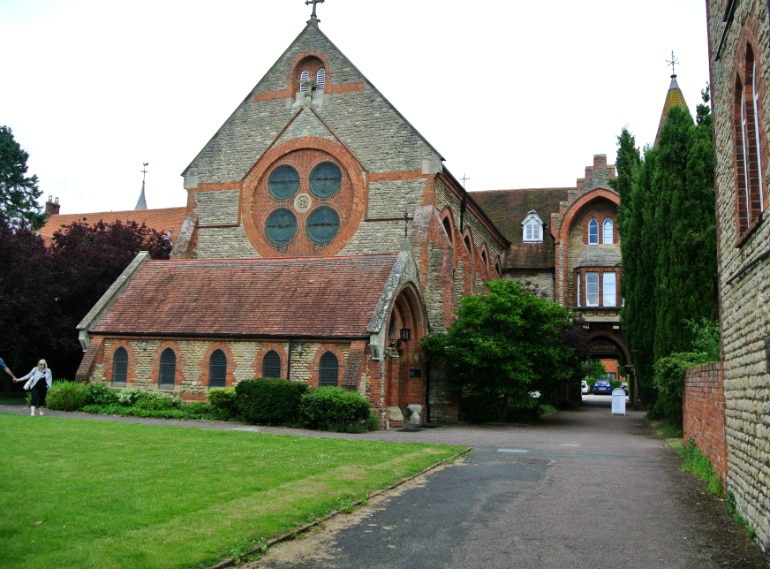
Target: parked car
[602, 386]
[585, 389]
[624, 385]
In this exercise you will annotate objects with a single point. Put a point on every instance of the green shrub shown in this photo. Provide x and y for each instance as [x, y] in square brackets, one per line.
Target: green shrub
[67, 396]
[335, 409]
[157, 401]
[129, 396]
[669, 381]
[373, 423]
[222, 400]
[101, 394]
[269, 401]
[148, 400]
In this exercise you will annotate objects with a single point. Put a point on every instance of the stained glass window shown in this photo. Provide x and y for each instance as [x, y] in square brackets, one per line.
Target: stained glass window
[283, 182]
[323, 224]
[281, 226]
[325, 179]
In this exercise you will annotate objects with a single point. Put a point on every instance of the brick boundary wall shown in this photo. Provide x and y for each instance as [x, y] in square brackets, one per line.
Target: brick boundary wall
[703, 409]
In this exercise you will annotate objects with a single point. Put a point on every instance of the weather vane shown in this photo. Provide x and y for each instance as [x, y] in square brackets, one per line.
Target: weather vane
[144, 171]
[673, 63]
[313, 2]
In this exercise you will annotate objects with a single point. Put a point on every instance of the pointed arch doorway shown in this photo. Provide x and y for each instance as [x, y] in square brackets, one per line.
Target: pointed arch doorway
[405, 377]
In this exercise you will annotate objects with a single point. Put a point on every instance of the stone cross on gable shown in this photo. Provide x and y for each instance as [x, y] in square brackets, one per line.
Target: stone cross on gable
[313, 2]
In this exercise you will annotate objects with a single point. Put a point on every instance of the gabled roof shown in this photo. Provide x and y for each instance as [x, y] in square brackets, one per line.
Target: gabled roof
[259, 122]
[319, 297]
[160, 220]
[508, 208]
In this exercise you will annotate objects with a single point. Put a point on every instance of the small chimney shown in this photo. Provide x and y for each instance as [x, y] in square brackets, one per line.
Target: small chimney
[52, 206]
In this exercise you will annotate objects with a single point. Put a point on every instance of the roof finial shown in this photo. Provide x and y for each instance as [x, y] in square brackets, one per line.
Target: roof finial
[673, 63]
[142, 202]
[313, 18]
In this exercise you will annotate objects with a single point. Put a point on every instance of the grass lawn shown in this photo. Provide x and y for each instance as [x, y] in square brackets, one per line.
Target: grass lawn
[90, 494]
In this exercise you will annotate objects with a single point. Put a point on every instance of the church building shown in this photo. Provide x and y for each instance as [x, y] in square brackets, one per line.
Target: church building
[321, 241]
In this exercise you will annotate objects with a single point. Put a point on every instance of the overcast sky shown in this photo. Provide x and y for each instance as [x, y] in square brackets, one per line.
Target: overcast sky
[513, 94]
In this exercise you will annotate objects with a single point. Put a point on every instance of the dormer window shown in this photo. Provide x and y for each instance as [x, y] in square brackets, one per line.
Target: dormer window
[533, 228]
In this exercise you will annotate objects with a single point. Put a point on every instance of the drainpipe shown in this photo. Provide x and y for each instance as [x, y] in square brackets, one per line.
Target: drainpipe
[288, 362]
[427, 391]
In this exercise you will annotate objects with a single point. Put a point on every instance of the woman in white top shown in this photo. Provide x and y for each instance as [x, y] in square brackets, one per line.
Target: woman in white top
[40, 380]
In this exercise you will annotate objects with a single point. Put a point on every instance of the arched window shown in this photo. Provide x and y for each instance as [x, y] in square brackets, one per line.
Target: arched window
[749, 174]
[271, 364]
[320, 79]
[607, 234]
[448, 228]
[120, 366]
[167, 368]
[304, 81]
[328, 369]
[593, 232]
[218, 369]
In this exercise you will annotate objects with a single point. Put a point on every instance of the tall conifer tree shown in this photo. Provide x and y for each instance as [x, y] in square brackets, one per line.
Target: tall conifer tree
[668, 240]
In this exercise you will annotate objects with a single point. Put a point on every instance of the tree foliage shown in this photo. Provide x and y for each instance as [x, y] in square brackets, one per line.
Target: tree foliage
[667, 223]
[46, 291]
[506, 344]
[18, 192]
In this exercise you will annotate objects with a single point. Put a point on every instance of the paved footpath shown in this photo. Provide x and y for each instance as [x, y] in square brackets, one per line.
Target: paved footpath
[579, 489]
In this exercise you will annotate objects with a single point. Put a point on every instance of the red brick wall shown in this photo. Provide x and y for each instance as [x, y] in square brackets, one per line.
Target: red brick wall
[704, 414]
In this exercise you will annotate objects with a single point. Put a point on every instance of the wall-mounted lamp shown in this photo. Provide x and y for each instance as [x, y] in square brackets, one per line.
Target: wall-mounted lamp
[299, 349]
[144, 345]
[405, 335]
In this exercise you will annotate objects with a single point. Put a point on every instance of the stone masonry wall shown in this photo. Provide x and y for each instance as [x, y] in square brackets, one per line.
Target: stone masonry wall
[744, 274]
[192, 364]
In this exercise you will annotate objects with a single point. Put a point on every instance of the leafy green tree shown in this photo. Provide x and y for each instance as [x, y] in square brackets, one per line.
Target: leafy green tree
[85, 260]
[26, 299]
[505, 345]
[46, 291]
[18, 192]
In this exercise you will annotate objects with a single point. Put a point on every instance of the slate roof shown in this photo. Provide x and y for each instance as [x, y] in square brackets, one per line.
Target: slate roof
[508, 208]
[160, 220]
[294, 297]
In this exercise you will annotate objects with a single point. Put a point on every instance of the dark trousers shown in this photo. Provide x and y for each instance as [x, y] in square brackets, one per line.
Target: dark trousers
[38, 393]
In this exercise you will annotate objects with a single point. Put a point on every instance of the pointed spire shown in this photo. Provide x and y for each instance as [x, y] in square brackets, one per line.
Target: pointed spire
[142, 203]
[674, 96]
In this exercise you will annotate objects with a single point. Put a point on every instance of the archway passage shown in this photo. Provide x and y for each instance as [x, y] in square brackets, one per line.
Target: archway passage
[610, 350]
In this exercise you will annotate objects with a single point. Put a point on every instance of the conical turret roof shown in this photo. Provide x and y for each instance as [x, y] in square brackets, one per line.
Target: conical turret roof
[674, 98]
